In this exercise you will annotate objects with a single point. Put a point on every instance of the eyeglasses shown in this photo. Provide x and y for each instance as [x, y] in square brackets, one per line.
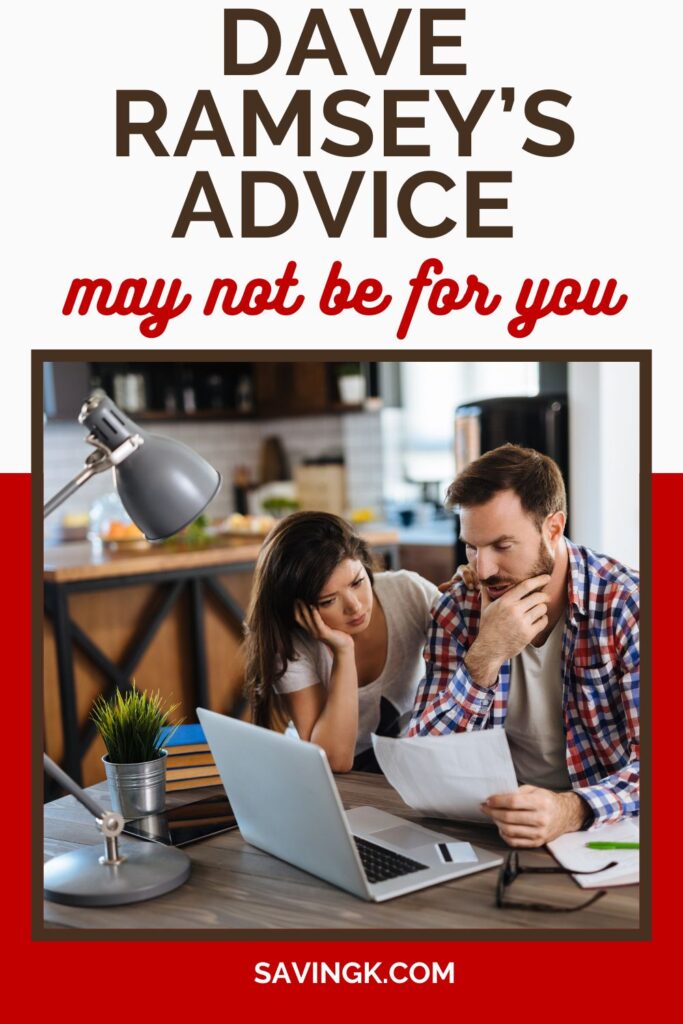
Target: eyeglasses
[512, 868]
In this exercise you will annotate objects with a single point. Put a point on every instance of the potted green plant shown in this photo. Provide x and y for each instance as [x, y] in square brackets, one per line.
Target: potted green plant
[132, 725]
[351, 383]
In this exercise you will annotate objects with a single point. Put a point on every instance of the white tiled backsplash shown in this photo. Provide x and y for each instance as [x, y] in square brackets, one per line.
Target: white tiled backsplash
[357, 436]
[362, 447]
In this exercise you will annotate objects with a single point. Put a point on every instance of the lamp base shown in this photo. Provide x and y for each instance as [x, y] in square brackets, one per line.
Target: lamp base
[79, 879]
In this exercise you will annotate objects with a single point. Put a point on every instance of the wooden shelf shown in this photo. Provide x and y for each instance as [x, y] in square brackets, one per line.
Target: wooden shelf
[277, 389]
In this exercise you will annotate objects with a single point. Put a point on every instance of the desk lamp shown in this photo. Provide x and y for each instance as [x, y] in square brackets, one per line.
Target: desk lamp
[138, 871]
[163, 484]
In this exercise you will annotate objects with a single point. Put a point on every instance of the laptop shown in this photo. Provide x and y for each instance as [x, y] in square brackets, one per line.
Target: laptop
[286, 803]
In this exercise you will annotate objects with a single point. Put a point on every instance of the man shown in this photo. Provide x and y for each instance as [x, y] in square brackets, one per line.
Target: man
[545, 644]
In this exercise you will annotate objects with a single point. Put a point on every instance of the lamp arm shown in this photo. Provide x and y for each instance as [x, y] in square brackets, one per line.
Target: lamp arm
[110, 823]
[99, 460]
[67, 783]
[85, 474]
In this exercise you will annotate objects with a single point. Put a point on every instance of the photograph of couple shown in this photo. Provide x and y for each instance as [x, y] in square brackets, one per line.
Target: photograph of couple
[402, 637]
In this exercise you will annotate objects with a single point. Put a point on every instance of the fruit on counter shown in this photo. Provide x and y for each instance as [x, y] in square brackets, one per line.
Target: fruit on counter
[362, 515]
[262, 524]
[237, 523]
[116, 530]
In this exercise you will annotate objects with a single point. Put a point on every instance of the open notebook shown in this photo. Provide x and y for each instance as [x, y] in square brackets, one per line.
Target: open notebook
[570, 851]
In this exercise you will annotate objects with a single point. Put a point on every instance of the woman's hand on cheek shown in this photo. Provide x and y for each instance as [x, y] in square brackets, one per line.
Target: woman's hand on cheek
[310, 619]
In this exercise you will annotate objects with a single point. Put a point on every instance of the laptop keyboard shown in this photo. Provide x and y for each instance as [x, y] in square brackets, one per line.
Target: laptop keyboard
[381, 864]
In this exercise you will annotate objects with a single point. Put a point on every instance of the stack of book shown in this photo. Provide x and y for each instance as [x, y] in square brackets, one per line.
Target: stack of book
[190, 764]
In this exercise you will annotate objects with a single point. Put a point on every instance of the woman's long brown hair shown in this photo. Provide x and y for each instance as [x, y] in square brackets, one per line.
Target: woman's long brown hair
[297, 558]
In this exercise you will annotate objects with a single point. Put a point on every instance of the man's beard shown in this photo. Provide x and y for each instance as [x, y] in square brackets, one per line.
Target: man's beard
[545, 562]
[544, 565]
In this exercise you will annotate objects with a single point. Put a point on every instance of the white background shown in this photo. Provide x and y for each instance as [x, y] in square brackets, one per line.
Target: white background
[609, 208]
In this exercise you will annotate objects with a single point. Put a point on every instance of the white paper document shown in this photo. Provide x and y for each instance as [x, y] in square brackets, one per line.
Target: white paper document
[448, 776]
[571, 852]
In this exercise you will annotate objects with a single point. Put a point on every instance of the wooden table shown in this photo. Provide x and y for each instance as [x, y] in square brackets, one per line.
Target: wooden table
[236, 891]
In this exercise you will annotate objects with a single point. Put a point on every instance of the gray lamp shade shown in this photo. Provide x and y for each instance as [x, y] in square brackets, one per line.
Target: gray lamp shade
[164, 485]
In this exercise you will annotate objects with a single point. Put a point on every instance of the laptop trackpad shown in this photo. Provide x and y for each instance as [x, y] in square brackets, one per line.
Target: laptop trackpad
[404, 836]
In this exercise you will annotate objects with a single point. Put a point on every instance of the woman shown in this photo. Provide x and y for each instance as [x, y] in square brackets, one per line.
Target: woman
[337, 648]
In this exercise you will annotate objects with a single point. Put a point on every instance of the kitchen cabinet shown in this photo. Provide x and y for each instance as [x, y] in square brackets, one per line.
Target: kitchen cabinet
[179, 390]
[291, 389]
[204, 390]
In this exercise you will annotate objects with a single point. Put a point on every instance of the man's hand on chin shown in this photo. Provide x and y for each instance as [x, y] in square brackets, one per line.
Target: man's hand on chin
[532, 817]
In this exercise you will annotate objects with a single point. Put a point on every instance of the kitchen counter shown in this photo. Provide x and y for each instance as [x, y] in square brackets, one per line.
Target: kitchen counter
[84, 561]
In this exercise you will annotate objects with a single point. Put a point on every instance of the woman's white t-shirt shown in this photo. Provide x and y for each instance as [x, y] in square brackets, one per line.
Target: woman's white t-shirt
[406, 600]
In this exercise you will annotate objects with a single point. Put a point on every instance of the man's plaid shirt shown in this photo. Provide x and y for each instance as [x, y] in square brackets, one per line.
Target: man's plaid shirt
[600, 671]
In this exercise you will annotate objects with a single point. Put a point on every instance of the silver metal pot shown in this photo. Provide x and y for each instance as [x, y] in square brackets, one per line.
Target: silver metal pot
[137, 789]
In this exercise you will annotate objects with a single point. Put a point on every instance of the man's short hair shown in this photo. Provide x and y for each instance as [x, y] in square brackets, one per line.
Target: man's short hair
[535, 479]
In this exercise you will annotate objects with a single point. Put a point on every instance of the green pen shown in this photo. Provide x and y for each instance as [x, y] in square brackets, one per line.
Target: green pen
[613, 846]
